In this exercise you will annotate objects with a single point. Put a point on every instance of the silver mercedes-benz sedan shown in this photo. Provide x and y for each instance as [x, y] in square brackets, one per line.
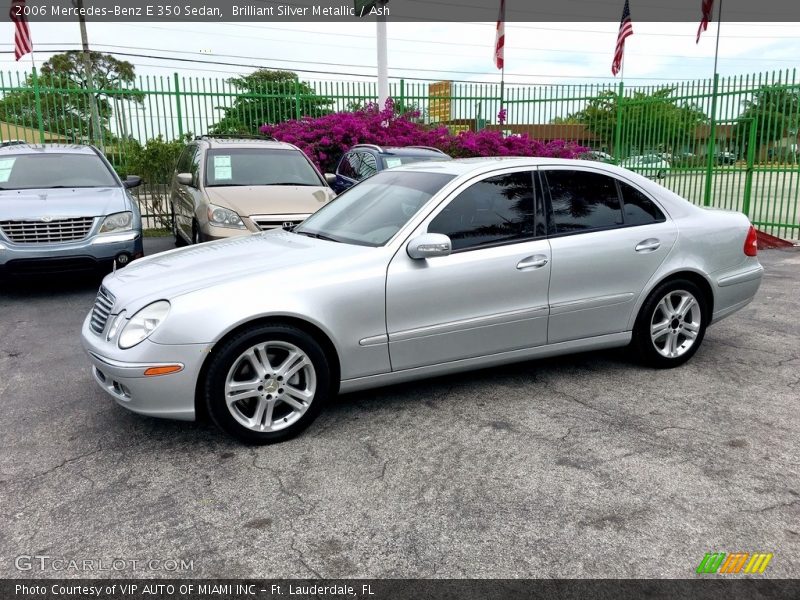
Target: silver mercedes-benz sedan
[418, 271]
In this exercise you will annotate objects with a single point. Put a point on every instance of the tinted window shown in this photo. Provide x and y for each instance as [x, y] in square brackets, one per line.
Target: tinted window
[259, 166]
[639, 209]
[583, 201]
[348, 166]
[368, 166]
[48, 170]
[370, 213]
[498, 209]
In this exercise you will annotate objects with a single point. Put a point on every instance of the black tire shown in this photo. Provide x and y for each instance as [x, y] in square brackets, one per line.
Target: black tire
[179, 241]
[229, 354]
[648, 351]
[196, 237]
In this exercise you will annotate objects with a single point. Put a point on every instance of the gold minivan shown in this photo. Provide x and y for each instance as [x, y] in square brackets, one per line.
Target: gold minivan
[228, 186]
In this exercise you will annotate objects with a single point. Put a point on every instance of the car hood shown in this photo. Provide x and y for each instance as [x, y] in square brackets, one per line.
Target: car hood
[185, 270]
[61, 203]
[271, 199]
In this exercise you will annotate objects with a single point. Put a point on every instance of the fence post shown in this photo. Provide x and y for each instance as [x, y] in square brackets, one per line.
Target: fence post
[178, 111]
[712, 132]
[297, 100]
[38, 99]
[618, 126]
[403, 95]
[751, 159]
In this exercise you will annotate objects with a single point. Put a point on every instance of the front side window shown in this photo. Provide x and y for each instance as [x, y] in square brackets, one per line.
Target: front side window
[258, 166]
[52, 170]
[348, 166]
[583, 201]
[372, 212]
[496, 210]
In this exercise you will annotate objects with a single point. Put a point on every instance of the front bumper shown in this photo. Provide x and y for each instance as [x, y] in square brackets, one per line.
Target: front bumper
[95, 252]
[120, 373]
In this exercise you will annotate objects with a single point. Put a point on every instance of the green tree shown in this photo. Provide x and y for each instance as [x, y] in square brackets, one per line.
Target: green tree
[776, 109]
[64, 95]
[654, 121]
[267, 96]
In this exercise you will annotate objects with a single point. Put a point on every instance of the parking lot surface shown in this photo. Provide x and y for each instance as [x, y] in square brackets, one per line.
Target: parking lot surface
[581, 466]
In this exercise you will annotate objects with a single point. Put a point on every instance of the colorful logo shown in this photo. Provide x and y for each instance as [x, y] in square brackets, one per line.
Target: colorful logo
[731, 564]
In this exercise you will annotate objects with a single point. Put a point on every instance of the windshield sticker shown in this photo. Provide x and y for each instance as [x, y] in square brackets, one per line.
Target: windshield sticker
[6, 165]
[393, 162]
[222, 167]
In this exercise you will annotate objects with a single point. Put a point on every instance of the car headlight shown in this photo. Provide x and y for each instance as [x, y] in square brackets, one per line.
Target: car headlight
[224, 217]
[121, 221]
[143, 323]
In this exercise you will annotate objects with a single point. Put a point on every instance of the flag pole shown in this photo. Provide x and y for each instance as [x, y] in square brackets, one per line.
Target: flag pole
[719, 26]
[712, 132]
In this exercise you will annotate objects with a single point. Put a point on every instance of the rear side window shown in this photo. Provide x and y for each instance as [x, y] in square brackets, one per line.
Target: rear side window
[639, 209]
[496, 210]
[368, 166]
[583, 201]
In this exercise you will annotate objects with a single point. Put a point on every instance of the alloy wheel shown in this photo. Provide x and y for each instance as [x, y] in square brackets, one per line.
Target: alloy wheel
[270, 386]
[675, 323]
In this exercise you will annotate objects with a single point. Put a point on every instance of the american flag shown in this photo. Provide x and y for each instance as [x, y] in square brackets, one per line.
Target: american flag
[22, 33]
[625, 29]
[707, 7]
[500, 40]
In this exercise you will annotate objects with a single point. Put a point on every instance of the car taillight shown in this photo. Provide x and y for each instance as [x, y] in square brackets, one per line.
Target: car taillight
[751, 243]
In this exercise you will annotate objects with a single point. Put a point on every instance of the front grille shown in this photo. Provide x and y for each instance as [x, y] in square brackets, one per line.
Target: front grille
[42, 232]
[102, 309]
[267, 222]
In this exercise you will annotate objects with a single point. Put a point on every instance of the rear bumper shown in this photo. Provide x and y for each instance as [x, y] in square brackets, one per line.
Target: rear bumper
[94, 253]
[736, 289]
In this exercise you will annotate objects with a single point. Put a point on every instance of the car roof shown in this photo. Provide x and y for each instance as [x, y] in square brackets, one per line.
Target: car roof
[401, 150]
[461, 166]
[234, 142]
[48, 149]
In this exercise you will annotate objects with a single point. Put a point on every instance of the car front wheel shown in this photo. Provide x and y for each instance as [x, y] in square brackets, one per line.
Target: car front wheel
[671, 324]
[268, 384]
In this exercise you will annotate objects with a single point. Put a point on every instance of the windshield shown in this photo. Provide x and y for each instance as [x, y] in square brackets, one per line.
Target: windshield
[395, 161]
[370, 213]
[51, 170]
[259, 166]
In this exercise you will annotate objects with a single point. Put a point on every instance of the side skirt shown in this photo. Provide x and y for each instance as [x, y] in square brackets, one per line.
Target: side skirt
[612, 340]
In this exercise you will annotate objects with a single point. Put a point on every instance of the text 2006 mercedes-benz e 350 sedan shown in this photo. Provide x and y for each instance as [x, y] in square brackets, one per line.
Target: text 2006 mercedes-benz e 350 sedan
[421, 270]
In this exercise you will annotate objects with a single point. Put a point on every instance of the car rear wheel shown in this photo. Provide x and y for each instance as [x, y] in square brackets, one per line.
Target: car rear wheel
[268, 384]
[671, 324]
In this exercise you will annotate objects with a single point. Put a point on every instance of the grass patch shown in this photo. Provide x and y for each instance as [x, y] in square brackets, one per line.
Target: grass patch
[157, 233]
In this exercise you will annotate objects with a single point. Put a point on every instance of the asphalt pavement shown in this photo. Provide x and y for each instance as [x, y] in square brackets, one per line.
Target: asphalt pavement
[581, 466]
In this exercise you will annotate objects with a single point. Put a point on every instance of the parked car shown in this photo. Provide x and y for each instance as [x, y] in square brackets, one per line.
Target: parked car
[7, 143]
[364, 160]
[422, 270]
[649, 165]
[64, 208]
[597, 155]
[725, 158]
[231, 186]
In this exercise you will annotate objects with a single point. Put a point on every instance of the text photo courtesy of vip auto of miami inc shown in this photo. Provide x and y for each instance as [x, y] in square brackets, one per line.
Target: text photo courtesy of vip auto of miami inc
[390, 299]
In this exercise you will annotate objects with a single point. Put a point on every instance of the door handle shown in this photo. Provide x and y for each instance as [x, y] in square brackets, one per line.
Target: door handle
[532, 262]
[648, 245]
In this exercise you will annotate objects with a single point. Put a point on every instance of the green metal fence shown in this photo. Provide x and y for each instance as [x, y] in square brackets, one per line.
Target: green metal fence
[722, 142]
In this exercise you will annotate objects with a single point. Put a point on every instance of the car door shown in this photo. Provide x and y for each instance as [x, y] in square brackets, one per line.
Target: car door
[490, 294]
[183, 200]
[346, 172]
[607, 237]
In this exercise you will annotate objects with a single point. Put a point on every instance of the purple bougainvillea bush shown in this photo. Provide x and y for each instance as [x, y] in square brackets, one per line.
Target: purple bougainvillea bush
[324, 139]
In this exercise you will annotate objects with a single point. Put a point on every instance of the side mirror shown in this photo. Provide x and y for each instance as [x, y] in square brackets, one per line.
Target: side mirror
[185, 179]
[330, 178]
[132, 181]
[429, 245]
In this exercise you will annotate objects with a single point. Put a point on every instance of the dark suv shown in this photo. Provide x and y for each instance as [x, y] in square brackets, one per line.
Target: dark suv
[364, 160]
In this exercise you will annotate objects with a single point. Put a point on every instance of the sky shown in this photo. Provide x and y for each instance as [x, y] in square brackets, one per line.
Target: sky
[545, 53]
